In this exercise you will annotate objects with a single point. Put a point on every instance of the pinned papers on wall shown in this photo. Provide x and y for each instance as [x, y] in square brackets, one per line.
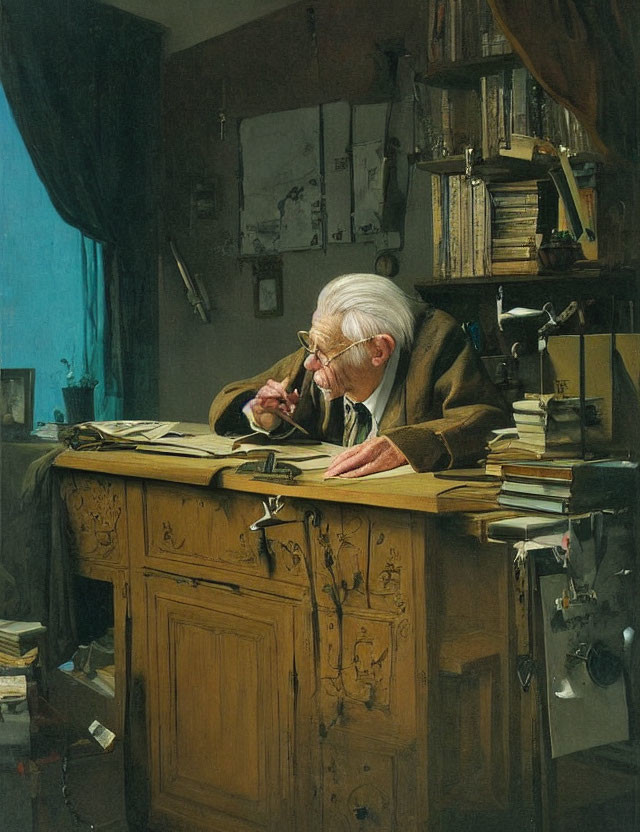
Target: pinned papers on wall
[336, 122]
[369, 136]
[281, 182]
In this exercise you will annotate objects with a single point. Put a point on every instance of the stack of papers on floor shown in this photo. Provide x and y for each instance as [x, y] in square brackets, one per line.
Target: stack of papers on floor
[17, 637]
[13, 688]
[568, 486]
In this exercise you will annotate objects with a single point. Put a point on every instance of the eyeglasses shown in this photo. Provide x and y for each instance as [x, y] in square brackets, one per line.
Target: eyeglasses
[305, 341]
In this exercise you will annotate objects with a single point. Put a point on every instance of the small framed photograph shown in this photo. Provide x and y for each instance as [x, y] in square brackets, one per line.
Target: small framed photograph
[267, 287]
[16, 402]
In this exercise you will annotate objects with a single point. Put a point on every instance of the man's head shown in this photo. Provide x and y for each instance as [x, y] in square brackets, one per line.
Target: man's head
[359, 320]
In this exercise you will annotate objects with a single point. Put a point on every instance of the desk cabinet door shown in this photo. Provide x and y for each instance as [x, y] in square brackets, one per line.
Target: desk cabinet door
[221, 687]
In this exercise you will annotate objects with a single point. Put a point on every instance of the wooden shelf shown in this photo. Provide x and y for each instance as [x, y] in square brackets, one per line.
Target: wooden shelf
[496, 169]
[447, 165]
[606, 280]
[466, 74]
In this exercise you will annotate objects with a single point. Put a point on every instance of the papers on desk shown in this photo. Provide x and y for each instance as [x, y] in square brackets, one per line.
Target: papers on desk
[116, 434]
[306, 457]
[401, 470]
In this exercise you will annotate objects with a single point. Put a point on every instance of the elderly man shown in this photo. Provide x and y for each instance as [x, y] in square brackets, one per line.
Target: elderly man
[395, 382]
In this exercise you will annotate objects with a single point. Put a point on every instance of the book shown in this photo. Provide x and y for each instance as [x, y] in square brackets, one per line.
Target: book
[559, 489]
[586, 474]
[16, 630]
[521, 418]
[527, 527]
[561, 505]
[22, 661]
[524, 252]
[496, 462]
[13, 688]
[525, 428]
[514, 267]
[16, 637]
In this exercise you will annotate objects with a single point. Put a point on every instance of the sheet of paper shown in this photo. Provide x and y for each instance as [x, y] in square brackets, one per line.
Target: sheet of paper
[13, 687]
[581, 714]
[368, 190]
[135, 429]
[281, 182]
[369, 136]
[336, 119]
[401, 470]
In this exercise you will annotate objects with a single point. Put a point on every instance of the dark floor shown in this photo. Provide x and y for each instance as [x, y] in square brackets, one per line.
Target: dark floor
[68, 784]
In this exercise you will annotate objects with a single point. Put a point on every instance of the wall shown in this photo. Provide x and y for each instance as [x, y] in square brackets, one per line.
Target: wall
[289, 59]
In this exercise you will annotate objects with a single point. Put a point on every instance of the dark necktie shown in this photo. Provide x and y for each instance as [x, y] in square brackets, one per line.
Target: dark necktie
[357, 424]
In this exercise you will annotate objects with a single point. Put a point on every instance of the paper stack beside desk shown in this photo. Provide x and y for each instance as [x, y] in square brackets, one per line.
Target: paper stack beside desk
[546, 427]
[568, 486]
[17, 637]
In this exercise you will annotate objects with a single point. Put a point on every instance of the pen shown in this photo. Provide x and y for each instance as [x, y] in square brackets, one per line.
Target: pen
[284, 415]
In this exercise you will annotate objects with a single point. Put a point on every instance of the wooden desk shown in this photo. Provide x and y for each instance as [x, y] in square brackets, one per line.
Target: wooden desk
[351, 667]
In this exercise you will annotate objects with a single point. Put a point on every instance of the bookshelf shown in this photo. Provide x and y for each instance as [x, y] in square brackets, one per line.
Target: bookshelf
[489, 125]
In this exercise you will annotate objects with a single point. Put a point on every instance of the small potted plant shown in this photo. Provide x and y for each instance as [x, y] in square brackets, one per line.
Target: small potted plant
[560, 252]
[78, 395]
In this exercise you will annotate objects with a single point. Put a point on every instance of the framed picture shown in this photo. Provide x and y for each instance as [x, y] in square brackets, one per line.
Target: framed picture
[16, 402]
[267, 287]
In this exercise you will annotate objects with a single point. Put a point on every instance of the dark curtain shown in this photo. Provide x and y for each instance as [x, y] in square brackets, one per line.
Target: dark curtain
[83, 82]
[586, 53]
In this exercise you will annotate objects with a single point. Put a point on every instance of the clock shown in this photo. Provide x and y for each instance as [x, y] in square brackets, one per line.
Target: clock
[387, 264]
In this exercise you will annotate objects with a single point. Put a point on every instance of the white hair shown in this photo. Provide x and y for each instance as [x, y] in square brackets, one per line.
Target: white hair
[368, 305]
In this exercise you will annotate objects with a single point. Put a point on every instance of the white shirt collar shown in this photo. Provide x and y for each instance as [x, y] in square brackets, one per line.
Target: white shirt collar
[377, 401]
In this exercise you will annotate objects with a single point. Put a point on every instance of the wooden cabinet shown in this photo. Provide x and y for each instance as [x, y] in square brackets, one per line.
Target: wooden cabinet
[342, 666]
[284, 688]
[221, 677]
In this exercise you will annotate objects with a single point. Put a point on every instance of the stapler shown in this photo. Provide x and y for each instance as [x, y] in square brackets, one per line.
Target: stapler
[269, 470]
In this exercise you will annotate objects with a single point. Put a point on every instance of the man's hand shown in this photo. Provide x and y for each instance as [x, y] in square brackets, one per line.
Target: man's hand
[371, 456]
[272, 402]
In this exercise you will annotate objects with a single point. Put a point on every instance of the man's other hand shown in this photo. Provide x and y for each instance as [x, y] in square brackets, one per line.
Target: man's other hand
[271, 400]
[371, 456]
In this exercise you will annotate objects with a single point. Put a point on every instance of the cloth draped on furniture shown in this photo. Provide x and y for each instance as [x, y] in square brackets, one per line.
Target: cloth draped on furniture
[83, 82]
[36, 581]
[586, 54]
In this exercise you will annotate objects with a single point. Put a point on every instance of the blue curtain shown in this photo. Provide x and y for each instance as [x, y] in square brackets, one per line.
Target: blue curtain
[83, 83]
[52, 293]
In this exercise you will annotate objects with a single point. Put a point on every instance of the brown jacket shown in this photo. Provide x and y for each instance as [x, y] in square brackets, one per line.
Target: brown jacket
[441, 408]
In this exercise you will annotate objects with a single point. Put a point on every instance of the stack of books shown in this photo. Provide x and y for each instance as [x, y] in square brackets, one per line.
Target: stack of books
[514, 227]
[568, 486]
[17, 638]
[546, 427]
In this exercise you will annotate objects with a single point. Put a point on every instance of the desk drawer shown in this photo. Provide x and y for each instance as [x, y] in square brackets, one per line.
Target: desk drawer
[95, 517]
[190, 525]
